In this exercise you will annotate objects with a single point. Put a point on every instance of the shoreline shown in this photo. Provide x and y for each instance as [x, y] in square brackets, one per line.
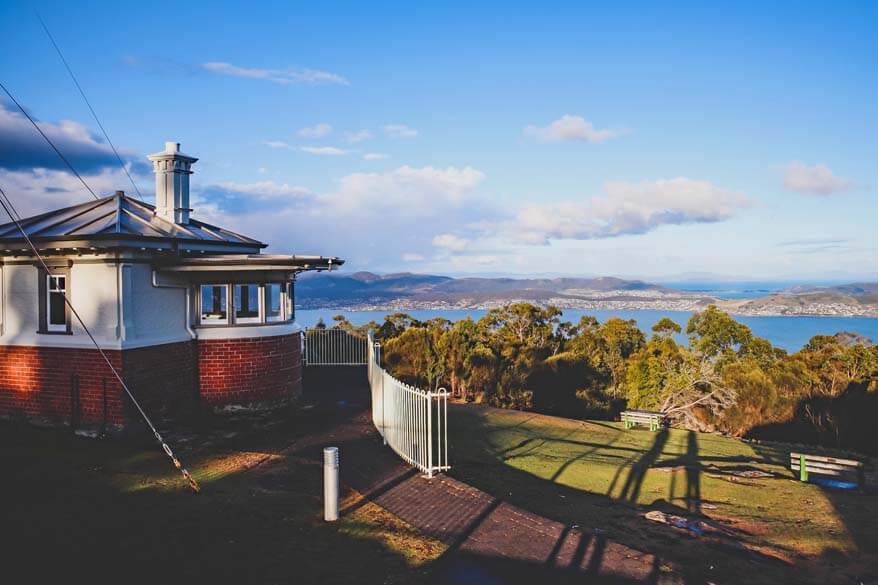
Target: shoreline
[678, 305]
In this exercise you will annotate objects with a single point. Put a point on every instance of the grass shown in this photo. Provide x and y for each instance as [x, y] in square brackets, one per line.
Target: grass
[598, 475]
[116, 511]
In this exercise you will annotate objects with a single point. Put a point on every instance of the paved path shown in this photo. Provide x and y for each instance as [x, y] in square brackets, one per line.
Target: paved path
[490, 540]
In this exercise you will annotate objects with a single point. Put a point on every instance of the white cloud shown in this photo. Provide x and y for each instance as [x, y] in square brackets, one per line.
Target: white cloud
[276, 144]
[374, 156]
[267, 189]
[280, 76]
[400, 131]
[324, 150]
[816, 180]
[624, 209]
[262, 170]
[412, 257]
[406, 191]
[358, 136]
[39, 190]
[569, 128]
[450, 242]
[316, 131]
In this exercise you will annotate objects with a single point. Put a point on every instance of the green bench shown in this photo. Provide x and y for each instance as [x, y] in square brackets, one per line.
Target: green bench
[632, 418]
[834, 467]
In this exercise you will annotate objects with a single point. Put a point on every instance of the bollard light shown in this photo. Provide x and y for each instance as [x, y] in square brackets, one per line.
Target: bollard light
[330, 484]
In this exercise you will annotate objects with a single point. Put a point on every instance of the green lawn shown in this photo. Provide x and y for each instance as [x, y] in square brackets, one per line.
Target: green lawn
[115, 511]
[599, 476]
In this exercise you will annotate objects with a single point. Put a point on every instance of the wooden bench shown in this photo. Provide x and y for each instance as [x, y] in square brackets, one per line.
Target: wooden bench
[806, 463]
[653, 420]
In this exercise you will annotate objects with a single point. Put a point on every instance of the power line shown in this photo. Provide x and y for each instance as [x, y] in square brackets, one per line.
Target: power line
[10, 210]
[88, 103]
[47, 139]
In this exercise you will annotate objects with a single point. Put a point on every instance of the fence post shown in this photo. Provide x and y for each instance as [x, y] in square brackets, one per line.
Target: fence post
[330, 484]
[803, 469]
[429, 434]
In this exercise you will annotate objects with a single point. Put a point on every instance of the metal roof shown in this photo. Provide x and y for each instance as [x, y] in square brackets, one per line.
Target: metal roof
[119, 217]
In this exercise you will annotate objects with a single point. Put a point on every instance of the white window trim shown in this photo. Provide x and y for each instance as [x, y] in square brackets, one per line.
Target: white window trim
[55, 327]
[229, 308]
[286, 310]
[259, 301]
[282, 302]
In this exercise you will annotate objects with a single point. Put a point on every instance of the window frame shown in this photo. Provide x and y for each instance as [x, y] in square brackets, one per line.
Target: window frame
[44, 299]
[56, 327]
[282, 316]
[287, 310]
[213, 322]
[260, 313]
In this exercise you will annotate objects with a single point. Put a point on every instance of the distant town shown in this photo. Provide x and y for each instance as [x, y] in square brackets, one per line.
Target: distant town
[364, 291]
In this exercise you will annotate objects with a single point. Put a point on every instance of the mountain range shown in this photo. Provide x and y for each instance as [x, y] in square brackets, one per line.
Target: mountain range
[367, 287]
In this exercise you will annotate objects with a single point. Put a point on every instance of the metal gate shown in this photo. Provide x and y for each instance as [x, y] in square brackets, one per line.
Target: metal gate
[334, 347]
[412, 421]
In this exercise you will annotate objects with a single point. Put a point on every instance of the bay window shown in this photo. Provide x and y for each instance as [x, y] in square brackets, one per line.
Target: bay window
[251, 304]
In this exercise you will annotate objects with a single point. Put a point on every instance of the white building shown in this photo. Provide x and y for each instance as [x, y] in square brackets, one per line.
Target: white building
[187, 312]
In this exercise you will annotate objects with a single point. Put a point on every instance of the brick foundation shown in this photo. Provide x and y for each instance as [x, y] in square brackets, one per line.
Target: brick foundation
[251, 370]
[75, 386]
[60, 385]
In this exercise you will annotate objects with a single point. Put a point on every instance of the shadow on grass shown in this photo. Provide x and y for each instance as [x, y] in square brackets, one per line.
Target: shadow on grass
[717, 555]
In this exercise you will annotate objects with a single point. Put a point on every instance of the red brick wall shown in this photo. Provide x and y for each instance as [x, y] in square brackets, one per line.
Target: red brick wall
[41, 382]
[163, 377]
[250, 370]
[64, 385]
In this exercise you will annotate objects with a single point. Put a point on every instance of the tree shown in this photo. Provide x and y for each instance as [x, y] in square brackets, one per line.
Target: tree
[666, 327]
[394, 324]
[651, 372]
[455, 346]
[621, 339]
[713, 333]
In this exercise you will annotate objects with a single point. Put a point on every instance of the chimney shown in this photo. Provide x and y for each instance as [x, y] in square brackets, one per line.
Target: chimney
[172, 170]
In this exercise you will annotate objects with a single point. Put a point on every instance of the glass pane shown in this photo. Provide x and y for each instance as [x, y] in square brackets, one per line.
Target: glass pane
[213, 303]
[246, 302]
[273, 300]
[57, 314]
[57, 283]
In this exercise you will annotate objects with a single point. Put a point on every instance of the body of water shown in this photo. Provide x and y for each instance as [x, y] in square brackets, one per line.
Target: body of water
[790, 333]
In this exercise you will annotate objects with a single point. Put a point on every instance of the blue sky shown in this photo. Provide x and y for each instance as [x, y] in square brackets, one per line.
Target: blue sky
[639, 139]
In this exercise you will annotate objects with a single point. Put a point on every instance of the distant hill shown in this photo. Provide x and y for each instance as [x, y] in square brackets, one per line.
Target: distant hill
[857, 289]
[859, 298]
[359, 288]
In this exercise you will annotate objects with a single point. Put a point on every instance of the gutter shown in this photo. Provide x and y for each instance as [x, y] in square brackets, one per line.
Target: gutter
[189, 329]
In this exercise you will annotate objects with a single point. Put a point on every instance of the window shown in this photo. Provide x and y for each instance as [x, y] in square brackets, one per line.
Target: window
[274, 302]
[56, 308]
[251, 304]
[247, 303]
[214, 304]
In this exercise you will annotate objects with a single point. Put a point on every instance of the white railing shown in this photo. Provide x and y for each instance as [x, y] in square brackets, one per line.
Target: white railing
[412, 421]
[334, 347]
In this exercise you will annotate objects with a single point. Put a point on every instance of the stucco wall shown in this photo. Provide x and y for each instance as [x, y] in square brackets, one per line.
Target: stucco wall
[145, 316]
[92, 290]
[151, 315]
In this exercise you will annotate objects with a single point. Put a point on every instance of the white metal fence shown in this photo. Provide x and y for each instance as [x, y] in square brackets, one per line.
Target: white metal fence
[334, 347]
[412, 421]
